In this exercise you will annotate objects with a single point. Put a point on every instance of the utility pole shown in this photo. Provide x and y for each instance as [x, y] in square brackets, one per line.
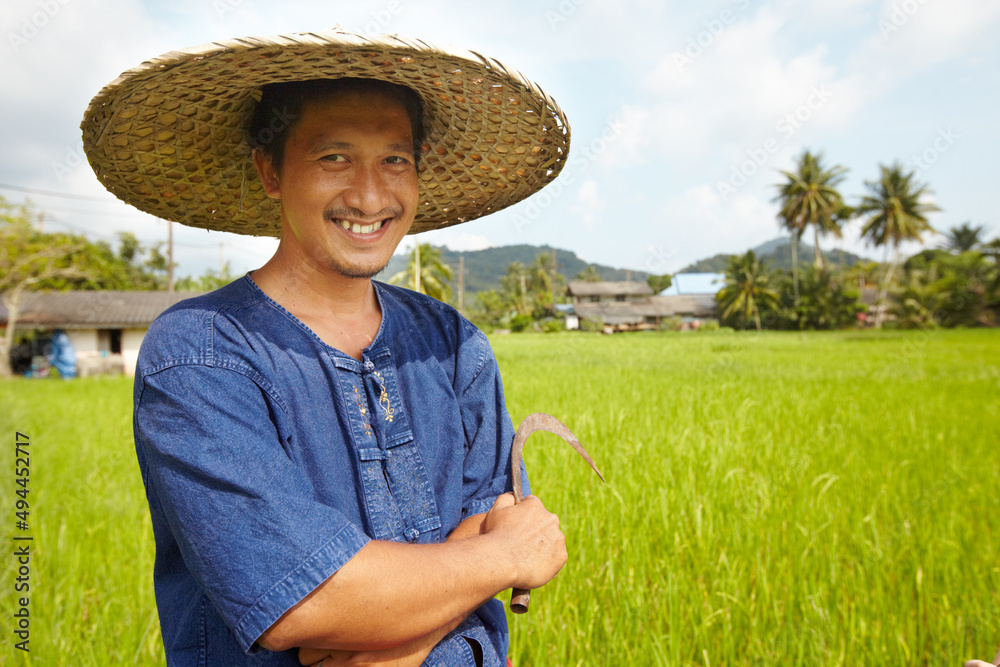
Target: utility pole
[461, 283]
[555, 270]
[524, 290]
[170, 256]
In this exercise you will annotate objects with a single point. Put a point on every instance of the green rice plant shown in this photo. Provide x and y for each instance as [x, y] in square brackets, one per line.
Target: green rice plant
[772, 499]
[91, 598]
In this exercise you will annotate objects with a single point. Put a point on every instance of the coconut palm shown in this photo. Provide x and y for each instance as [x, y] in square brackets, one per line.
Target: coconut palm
[809, 196]
[964, 238]
[747, 289]
[426, 272]
[896, 210]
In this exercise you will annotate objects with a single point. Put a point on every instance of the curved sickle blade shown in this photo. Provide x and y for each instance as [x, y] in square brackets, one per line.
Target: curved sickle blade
[539, 421]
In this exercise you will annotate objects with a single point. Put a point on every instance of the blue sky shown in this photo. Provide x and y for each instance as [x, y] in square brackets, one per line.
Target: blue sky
[681, 112]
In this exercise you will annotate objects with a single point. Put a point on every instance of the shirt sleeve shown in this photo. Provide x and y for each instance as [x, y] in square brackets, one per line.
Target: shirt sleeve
[489, 434]
[245, 519]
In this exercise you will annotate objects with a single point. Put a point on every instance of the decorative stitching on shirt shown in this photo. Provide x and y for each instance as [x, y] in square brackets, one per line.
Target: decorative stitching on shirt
[383, 399]
[363, 410]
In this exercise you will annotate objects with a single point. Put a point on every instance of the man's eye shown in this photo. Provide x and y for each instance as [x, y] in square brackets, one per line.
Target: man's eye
[397, 159]
[336, 157]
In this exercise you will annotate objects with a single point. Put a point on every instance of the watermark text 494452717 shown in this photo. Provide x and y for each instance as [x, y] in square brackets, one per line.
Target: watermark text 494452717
[22, 541]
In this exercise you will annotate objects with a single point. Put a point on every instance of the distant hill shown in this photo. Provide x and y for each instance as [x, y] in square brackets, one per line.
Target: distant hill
[778, 253]
[484, 268]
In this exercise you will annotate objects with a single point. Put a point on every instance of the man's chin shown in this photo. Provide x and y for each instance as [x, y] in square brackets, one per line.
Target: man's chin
[358, 271]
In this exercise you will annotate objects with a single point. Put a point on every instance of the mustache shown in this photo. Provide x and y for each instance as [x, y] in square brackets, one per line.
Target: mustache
[355, 214]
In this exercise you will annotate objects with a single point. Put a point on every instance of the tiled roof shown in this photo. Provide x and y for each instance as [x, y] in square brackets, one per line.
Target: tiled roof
[93, 309]
[615, 312]
[630, 288]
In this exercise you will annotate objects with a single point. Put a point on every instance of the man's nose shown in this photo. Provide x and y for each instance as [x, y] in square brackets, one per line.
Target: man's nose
[368, 191]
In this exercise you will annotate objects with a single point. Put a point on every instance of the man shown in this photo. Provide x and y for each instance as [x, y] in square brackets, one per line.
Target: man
[326, 457]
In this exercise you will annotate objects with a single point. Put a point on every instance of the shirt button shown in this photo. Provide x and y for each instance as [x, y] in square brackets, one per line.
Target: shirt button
[369, 366]
[411, 534]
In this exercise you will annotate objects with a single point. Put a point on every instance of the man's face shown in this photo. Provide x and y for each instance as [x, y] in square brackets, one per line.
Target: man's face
[348, 183]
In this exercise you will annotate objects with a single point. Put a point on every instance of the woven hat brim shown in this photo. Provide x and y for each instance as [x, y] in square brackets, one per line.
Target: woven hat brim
[170, 136]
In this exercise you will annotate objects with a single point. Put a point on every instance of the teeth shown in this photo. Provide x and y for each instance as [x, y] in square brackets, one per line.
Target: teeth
[361, 229]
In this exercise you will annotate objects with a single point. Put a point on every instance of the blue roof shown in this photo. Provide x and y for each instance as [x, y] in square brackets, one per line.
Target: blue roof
[695, 283]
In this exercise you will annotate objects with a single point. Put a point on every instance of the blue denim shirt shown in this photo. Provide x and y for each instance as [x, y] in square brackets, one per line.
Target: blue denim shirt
[270, 458]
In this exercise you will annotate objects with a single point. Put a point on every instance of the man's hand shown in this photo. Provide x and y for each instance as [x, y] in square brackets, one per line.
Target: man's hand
[981, 663]
[532, 538]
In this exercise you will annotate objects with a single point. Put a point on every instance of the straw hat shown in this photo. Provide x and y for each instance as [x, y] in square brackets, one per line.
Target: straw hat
[170, 136]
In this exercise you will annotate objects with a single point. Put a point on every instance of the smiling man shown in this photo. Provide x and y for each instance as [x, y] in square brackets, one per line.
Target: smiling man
[325, 456]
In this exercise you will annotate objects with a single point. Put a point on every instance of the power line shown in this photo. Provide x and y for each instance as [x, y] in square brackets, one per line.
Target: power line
[81, 211]
[200, 246]
[53, 193]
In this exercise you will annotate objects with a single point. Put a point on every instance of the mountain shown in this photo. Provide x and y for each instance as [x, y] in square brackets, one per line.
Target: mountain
[778, 253]
[484, 268]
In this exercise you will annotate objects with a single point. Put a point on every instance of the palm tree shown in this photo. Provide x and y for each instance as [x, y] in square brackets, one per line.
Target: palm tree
[964, 238]
[809, 196]
[426, 272]
[590, 275]
[895, 213]
[747, 289]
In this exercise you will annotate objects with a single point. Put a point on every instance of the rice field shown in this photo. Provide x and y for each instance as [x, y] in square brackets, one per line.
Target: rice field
[779, 499]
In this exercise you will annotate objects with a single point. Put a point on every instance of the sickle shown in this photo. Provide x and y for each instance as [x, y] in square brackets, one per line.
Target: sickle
[539, 421]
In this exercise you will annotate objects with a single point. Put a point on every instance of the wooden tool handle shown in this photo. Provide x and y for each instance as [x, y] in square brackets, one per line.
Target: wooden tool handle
[519, 600]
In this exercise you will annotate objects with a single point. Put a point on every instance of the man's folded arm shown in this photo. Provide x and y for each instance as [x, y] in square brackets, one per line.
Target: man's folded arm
[389, 594]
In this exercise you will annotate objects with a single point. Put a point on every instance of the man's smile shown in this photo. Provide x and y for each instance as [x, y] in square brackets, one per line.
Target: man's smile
[359, 228]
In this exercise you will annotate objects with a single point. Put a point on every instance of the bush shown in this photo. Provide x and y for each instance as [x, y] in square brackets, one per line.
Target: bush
[519, 323]
[671, 324]
[553, 325]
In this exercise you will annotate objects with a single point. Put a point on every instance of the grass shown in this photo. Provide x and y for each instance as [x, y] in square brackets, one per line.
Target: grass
[779, 499]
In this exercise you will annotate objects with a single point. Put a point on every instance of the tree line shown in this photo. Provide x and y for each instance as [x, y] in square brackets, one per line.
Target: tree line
[957, 284]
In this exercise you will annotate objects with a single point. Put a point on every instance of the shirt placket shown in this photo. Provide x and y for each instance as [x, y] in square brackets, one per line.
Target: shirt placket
[404, 474]
[397, 495]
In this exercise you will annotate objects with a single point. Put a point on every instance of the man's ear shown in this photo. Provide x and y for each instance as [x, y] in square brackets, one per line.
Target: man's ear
[267, 173]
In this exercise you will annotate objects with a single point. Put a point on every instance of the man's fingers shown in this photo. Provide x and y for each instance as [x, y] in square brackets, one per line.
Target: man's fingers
[504, 500]
[983, 663]
[312, 656]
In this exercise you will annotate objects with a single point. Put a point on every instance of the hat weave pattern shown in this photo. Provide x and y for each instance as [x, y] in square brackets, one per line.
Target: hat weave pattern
[170, 136]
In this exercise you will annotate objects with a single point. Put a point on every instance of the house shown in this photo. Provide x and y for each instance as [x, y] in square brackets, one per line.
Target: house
[608, 292]
[105, 327]
[631, 305]
[692, 296]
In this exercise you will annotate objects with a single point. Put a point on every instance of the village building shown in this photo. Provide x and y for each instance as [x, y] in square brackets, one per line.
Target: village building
[632, 305]
[105, 328]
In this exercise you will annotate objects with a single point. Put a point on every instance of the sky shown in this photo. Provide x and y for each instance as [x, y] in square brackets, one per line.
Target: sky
[682, 113]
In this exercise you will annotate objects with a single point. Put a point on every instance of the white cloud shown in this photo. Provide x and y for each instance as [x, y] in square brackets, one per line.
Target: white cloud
[704, 224]
[588, 206]
[712, 102]
[911, 35]
[464, 242]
